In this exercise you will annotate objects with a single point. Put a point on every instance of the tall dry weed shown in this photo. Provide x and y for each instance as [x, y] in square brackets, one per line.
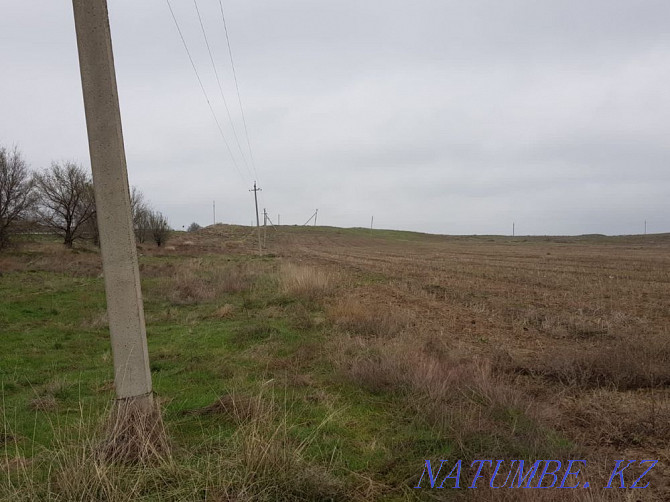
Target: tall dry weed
[305, 282]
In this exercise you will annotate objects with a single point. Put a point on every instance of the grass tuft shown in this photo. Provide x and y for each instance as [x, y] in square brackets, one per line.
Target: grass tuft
[305, 282]
[135, 433]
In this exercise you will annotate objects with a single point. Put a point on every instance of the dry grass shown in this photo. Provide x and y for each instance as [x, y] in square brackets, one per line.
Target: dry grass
[306, 282]
[79, 466]
[43, 403]
[573, 317]
[225, 311]
[47, 396]
[619, 420]
[82, 261]
[486, 494]
[273, 463]
[135, 434]
[622, 364]
[196, 281]
[355, 316]
[96, 322]
[239, 408]
[262, 461]
[461, 398]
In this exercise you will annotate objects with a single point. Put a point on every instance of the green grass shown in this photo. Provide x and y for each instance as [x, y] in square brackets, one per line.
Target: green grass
[54, 346]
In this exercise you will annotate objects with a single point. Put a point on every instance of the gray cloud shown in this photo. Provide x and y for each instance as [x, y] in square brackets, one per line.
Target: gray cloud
[449, 116]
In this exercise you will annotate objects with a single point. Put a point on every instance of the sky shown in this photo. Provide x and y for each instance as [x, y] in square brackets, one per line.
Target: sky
[441, 116]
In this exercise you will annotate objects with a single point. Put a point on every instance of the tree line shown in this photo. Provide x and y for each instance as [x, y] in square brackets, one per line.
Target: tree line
[60, 200]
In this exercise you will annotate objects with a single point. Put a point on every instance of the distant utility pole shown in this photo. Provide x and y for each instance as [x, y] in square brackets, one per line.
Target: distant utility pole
[310, 218]
[645, 227]
[278, 219]
[265, 228]
[258, 222]
[132, 377]
[513, 229]
[372, 220]
[267, 217]
[214, 211]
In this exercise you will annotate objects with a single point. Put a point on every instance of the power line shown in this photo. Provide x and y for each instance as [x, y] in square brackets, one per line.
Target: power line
[218, 81]
[237, 88]
[204, 92]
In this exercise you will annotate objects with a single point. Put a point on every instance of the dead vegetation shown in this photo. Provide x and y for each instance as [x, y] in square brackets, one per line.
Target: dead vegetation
[239, 408]
[195, 280]
[306, 282]
[618, 420]
[135, 434]
[623, 363]
[82, 261]
[376, 320]
[460, 397]
[497, 345]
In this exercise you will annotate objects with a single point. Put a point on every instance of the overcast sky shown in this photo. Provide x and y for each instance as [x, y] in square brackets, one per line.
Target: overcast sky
[442, 116]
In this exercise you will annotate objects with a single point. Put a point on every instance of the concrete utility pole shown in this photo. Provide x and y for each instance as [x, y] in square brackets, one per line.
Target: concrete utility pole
[513, 229]
[132, 377]
[372, 221]
[645, 227]
[265, 228]
[214, 212]
[258, 223]
[316, 214]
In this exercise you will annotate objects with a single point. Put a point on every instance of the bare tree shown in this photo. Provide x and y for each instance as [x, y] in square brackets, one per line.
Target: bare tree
[160, 230]
[193, 227]
[66, 202]
[16, 191]
[91, 231]
[139, 209]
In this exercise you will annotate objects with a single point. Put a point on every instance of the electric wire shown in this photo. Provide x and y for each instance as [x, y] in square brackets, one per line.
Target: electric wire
[202, 87]
[237, 88]
[218, 81]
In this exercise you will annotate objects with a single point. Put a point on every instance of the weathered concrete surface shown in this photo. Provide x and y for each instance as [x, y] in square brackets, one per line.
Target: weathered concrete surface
[125, 310]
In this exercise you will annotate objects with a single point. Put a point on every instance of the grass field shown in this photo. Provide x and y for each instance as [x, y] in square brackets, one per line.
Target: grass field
[333, 366]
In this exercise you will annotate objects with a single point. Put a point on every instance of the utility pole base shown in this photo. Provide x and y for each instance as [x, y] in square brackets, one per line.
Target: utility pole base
[135, 432]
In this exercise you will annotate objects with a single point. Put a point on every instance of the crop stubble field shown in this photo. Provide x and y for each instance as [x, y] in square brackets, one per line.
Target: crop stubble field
[332, 367]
